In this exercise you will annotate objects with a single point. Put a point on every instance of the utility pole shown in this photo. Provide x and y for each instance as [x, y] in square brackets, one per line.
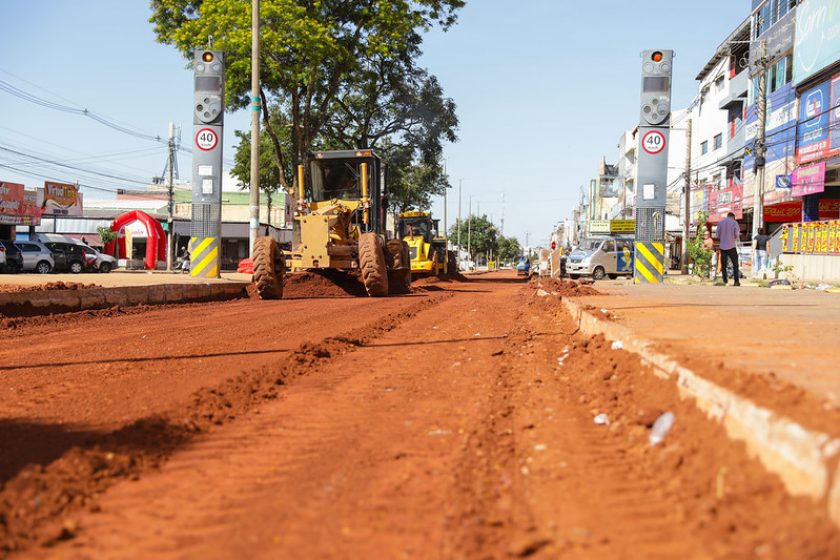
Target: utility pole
[502, 225]
[254, 207]
[469, 232]
[460, 184]
[760, 144]
[687, 201]
[446, 226]
[170, 218]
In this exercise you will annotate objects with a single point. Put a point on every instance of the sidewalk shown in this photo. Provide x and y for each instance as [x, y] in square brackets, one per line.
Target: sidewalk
[786, 335]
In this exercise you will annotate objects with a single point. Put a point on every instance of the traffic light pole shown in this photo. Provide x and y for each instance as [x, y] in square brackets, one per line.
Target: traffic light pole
[254, 205]
[208, 128]
[652, 166]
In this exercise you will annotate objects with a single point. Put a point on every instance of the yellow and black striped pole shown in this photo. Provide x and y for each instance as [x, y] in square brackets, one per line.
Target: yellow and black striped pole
[204, 257]
[649, 263]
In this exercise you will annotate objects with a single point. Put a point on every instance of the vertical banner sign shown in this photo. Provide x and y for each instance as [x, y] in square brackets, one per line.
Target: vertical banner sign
[208, 125]
[652, 166]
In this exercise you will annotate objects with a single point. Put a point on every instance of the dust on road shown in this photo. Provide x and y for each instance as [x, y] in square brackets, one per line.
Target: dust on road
[456, 423]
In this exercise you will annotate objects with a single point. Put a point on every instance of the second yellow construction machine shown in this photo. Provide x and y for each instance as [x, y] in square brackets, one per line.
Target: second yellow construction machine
[426, 247]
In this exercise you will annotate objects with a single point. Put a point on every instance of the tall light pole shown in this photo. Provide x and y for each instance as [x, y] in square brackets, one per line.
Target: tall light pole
[460, 184]
[254, 206]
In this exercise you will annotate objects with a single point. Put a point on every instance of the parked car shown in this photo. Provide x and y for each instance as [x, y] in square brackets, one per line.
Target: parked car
[523, 267]
[11, 260]
[70, 257]
[101, 261]
[601, 258]
[36, 257]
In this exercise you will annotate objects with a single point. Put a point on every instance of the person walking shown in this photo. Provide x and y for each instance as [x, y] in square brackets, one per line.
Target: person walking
[728, 232]
[760, 244]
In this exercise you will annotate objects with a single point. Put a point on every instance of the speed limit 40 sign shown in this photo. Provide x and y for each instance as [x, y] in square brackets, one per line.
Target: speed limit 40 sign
[653, 142]
[206, 139]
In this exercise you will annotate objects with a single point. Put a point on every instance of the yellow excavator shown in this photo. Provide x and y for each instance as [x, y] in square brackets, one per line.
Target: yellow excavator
[339, 224]
[426, 247]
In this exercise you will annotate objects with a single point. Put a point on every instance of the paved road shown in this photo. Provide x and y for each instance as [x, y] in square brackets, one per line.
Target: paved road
[453, 423]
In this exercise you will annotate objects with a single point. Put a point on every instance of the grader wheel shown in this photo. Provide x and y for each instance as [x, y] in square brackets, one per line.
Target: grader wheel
[372, 265]
[398, 260]
[268, 268]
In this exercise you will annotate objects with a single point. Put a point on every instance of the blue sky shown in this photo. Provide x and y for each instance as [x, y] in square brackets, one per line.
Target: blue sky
[544, 88]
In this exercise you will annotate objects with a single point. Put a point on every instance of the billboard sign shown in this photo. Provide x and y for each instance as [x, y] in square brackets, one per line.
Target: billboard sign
[725, 201]
[781, 132]
[779, 38]
[61, 199]
[814, 122]
[809, 179]
[817, 42]
[11, 199]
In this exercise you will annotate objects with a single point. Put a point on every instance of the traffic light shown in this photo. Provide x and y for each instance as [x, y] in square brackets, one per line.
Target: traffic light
[209, 88]
[657, 67]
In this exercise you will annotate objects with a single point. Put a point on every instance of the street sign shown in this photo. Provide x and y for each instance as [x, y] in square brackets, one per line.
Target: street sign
[653, 142]
[206, 139]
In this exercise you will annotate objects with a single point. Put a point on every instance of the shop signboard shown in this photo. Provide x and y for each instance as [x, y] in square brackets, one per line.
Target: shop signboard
[817, 42]
[829, 209]
[809, 179]
[623, 226]
[724, 201]
[780, 126]
[784, 212]
[779, 38]
[599, 226]
[11, 201]
[61, 199]
[699, 200]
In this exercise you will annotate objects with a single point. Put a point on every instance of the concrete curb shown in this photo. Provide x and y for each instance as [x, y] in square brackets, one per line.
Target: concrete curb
[807, 462]
[27, 304]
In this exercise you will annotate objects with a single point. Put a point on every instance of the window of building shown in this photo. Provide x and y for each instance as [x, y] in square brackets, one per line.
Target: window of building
[704, 147]
[718, 141]
[769, 14]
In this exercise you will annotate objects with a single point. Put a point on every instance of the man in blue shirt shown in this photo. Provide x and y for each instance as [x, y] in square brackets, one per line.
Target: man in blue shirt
[729, 232]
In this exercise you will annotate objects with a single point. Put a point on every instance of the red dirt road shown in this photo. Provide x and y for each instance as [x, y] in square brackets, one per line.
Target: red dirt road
[455, 423]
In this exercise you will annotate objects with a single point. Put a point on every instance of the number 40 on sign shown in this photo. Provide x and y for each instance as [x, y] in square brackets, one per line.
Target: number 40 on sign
[653, 142]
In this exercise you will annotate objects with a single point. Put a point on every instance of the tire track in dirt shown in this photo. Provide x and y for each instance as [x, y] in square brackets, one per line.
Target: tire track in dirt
[351, 462]
[33, 501]
[465, 431]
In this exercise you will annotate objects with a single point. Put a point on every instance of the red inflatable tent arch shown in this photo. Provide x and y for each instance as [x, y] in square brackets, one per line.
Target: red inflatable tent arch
[155, 237]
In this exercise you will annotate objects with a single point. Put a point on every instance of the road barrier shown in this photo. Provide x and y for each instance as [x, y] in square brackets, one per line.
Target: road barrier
[649, 263]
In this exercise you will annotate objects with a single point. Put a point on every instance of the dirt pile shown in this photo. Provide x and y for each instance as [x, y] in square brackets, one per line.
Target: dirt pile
[320, 284]
[566, 288]
[49, 286]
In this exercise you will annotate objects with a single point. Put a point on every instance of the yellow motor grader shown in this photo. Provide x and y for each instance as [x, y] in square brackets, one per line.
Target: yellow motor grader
[339, 226]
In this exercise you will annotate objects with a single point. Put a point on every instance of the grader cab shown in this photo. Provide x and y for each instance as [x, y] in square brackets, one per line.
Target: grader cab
[340, 225]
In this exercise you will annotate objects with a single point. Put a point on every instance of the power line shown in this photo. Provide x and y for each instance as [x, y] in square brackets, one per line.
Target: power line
[73, 167]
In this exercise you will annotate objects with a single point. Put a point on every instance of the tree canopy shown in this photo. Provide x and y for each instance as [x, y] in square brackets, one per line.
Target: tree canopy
[334, 74]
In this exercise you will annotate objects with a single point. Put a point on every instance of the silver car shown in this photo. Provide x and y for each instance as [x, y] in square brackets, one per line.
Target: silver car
[99, 261]
[36, 257]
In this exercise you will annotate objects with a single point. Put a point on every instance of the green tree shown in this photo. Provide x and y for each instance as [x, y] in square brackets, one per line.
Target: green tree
[271, 174]
[482, 235]
[106, 235]
[700, 257]
[509, 248]
[313, 50]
